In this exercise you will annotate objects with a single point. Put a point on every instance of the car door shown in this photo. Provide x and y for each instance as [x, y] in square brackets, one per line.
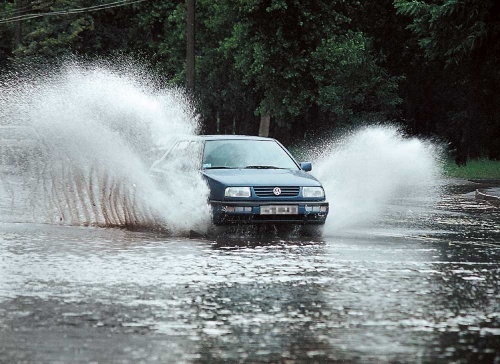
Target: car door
[179, 166]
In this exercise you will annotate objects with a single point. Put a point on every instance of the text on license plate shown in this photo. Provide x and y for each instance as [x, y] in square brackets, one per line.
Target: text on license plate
[279, 210]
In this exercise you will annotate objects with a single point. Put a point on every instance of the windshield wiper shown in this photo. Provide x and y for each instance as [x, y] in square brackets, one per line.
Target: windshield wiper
[263, 167]
[218, 167]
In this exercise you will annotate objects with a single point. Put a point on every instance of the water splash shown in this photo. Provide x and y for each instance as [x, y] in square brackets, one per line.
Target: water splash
[87, 135]
[366, 171]
[93, 133]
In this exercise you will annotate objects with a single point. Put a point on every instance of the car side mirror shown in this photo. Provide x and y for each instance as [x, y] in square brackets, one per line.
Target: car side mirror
[306, 166]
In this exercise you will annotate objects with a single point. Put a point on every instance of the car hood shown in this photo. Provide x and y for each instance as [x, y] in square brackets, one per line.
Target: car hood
[261, 177]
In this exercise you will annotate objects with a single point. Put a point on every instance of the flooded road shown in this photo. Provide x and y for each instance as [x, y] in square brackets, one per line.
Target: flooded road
[402, 273]
[416, 287]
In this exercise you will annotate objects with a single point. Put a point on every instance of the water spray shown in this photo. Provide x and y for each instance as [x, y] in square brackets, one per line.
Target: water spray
[89, 134]
[94, 133]
[366, 171]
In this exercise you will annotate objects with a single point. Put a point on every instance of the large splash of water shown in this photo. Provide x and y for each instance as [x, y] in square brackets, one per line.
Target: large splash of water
[89, 134]
[366, 171]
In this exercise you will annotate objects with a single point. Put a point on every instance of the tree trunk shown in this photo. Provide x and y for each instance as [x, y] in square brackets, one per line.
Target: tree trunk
[265, 120]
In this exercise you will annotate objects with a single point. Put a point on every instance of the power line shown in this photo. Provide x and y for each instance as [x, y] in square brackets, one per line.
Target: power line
[23, 9]
[71, 11]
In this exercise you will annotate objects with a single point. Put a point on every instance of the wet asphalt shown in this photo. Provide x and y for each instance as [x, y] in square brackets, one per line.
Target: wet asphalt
[420, 288]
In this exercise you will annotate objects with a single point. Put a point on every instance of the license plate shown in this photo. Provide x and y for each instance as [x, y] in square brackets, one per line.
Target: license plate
[279, 210]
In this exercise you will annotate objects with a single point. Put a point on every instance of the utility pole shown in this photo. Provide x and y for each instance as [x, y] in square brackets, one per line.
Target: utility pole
[18, 35]
[190, 37]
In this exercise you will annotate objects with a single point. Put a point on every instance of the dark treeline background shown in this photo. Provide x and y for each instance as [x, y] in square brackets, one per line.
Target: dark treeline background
[314, 66]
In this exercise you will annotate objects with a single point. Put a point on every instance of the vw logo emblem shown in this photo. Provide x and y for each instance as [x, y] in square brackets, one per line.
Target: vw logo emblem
[277, 191]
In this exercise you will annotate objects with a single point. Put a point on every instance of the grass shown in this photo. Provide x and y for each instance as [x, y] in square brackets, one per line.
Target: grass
[475, 169]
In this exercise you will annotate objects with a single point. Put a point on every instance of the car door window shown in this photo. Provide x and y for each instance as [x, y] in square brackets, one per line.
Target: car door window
[184, 156]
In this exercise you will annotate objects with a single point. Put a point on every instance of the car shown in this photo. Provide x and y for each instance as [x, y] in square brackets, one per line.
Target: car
[252, 180]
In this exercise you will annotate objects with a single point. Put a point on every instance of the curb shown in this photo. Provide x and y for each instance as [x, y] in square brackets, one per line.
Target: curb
[493, 200]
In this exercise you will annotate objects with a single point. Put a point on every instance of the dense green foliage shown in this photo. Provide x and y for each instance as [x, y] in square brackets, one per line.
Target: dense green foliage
[314, 66]
[460, 39]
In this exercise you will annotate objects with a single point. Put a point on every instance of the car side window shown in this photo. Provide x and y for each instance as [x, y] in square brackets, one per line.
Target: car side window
[184, 156]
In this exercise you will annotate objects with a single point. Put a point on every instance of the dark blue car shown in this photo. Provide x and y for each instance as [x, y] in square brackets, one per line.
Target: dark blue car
[252, 180]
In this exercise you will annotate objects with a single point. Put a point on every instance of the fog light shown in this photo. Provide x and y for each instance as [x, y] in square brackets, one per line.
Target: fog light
[313, 208]
[237, 209]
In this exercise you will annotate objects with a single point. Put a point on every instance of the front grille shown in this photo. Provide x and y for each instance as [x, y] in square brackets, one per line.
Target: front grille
[268, 191]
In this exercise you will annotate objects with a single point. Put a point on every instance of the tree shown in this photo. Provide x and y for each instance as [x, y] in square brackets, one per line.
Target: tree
[7, 33]
[49, 36]
[462, 37]
[303, 63]
[298, 61]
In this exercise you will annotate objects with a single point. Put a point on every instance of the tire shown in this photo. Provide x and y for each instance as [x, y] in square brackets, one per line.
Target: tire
[312, 231]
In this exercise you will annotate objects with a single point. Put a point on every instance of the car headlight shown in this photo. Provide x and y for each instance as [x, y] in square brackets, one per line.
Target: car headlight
[313, 192]
[237, 192]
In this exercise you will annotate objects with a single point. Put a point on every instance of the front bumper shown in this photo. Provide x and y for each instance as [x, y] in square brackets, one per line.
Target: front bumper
[249, 212]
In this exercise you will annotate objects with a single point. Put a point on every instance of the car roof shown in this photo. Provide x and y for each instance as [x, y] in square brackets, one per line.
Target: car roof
[224, 137]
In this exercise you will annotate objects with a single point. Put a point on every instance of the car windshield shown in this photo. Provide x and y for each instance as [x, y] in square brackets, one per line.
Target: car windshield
[242, 153]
